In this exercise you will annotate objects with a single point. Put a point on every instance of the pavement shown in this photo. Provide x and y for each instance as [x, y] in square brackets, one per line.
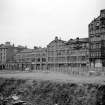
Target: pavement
[53, 76]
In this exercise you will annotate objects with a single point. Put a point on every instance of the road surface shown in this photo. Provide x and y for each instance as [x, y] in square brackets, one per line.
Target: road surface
[54, 76]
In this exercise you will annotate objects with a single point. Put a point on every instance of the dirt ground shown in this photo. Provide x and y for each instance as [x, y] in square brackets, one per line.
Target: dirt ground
[53, 76]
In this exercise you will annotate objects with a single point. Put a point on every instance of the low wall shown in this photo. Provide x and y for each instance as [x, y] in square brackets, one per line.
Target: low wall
[38, 92]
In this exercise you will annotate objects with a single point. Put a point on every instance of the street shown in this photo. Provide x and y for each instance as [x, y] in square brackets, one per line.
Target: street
[53, 76]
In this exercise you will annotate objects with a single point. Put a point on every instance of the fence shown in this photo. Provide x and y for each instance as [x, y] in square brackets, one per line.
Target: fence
[84, 71]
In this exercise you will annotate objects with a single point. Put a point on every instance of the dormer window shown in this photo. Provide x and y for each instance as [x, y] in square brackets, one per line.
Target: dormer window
[56, 38]
[97, 23]
[103, 13]
[102, 20]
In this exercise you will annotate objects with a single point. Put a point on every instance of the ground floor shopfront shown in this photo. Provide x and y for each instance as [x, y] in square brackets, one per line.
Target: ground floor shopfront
[78, 69]
[2, 66]
[15, 66]
[40, 66]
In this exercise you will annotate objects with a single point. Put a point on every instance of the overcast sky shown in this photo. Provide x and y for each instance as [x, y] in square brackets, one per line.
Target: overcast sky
[37, 22]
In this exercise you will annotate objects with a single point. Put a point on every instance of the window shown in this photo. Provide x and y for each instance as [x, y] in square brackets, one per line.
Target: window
[97, 25]
[58, 53]
[83, 58]
[43, 59]
[50, 59]
[102, 22]
[97, 35]
[38, 59]
[33, 60]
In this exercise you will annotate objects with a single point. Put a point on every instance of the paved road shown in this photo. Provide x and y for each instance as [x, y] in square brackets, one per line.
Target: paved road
[53, 76]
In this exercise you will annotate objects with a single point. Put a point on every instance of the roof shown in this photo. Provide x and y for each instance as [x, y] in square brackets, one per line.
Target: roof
[5, 46]
[56, 41]
[39, 49]
[80, 40]
[26, 51]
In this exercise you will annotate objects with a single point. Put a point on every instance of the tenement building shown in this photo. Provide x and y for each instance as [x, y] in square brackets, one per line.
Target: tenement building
[31, 58]
[62, 54]
[58, 54]
[23, 59]
[7, 53]
[97, 41]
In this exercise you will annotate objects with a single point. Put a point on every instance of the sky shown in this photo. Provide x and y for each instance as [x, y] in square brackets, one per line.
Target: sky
[36, 22]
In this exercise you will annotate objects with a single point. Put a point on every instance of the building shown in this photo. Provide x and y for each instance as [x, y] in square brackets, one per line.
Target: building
[23, 59]
[40, 59]
[58, 54]
[78, 55]
[73, 53]
[7, 53]
[97, 41]
[31, 58]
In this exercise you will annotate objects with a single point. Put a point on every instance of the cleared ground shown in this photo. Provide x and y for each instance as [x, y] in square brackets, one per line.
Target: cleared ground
[54, 76]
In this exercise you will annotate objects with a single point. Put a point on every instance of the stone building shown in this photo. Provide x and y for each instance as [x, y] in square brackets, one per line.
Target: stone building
[97, 41]
[73, 53]
[40, 59]
[58, 54]
[78, 55]
[23, 59]
[31, 58]
[7, 53]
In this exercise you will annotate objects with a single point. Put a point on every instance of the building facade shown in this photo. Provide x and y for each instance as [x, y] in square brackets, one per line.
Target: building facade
[78, 55]
[7, 53]
[73, 53]
[58, 54]
[31, 58]
[97, 41]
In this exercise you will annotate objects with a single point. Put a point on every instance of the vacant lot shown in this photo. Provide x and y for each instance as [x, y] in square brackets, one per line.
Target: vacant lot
[53, 76]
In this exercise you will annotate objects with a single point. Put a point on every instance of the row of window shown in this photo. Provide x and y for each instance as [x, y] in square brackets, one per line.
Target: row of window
[28, 55]
[39, 60]
[69, 58]
[3, 49]
[68, 52]
[56, 59]
[95, 46]
[2, 58]
[32, 60]
[97, 25]
[93, 39]
[94, 32]
[95, 54]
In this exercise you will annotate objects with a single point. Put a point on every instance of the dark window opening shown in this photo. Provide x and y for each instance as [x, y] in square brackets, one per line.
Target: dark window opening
[102, 22]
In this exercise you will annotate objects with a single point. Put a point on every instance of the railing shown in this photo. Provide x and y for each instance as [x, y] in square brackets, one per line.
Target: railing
[84, 71]
[73, 70]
